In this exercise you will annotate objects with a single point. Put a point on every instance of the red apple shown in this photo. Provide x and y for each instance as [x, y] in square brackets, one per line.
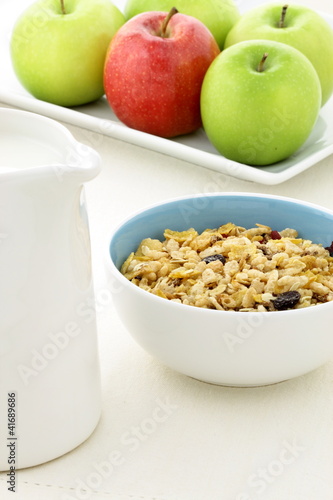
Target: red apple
[154, 70]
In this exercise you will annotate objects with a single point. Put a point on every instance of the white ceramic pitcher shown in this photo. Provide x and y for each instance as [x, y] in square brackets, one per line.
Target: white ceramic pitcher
[50, 399]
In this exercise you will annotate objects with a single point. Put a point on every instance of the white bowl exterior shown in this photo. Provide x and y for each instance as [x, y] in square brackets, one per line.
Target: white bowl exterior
[223, 347]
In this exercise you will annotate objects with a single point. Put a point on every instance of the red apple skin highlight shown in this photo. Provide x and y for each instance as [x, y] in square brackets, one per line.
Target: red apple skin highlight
[153, 83]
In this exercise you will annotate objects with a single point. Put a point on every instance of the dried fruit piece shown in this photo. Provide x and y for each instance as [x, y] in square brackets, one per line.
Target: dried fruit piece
[286, 300]
[330, 249]
[216, 256]
[275, 235]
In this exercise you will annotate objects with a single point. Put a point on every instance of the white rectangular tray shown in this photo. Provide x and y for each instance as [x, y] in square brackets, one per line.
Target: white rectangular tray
[194, 148]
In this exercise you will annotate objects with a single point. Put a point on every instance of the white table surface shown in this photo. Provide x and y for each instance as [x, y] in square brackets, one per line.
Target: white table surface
[217, 443]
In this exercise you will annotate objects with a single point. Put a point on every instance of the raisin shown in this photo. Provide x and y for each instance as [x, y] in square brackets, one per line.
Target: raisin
[330, 249]
[275, 235]
[216, 256]
[286, 300]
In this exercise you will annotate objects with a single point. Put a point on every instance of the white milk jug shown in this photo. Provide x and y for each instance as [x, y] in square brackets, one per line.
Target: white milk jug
[50, 398]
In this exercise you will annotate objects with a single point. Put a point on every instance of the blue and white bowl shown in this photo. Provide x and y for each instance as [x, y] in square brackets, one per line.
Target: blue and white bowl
[224, 347]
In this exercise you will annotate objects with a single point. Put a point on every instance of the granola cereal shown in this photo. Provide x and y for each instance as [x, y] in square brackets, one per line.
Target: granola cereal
[233, 268]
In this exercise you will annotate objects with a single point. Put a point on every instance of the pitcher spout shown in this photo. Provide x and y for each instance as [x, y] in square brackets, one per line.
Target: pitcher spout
[33, 146]
[81, 164]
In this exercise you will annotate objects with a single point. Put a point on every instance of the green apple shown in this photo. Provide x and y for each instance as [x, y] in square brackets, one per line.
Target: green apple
[259, 101]
[295, 25]
[218, 15]
[58, 48]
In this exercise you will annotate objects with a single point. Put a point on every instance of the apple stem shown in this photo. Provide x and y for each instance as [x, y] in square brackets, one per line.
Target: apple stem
[62, 6]
[172, 12]
[261, 65]
[283, 15]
